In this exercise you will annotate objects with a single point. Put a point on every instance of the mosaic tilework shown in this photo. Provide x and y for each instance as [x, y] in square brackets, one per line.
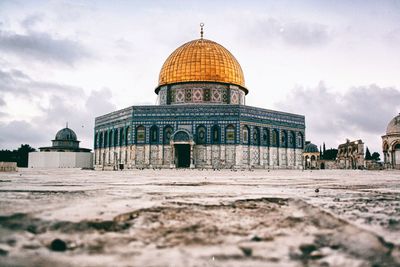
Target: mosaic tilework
[234, 97]
[180, 96]
[197, 95]
[216, 95]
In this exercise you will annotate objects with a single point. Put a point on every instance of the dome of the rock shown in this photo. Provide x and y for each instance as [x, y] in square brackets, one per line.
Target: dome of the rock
[201, 60]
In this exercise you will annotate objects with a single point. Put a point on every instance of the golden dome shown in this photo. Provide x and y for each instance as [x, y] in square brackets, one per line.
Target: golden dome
[201, 60]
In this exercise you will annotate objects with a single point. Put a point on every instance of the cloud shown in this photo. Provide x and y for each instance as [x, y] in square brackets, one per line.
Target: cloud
[20, 84]
[42, 47]
[361, 112]
[289, 32]
[32, 20]
[17, 132]
[392, 37]
[65, 104]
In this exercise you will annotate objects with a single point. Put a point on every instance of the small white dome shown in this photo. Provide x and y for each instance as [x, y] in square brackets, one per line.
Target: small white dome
[394, 126]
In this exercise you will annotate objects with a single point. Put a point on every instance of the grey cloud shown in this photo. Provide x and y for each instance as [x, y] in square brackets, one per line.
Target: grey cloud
[66, 104]
[30, 21]
[294, 33]
[43, 47]
[18, 83]
[15, 133]
[359, 112]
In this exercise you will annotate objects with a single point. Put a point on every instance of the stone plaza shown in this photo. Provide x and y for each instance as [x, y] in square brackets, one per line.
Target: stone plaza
[194, 217]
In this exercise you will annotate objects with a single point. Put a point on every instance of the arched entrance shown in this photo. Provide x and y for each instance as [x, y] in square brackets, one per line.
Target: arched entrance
[396, 154]
[182, 152]
[182, 155]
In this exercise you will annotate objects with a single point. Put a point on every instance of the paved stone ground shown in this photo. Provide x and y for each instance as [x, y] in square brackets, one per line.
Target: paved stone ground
[199, 218]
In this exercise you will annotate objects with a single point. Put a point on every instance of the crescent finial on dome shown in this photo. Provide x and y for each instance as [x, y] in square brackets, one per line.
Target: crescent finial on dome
[201, 30]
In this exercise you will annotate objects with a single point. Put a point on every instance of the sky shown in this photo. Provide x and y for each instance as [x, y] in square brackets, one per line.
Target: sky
[335, 62]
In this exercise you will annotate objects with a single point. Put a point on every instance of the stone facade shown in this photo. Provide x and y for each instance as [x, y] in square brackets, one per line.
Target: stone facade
[8, 166]
[211, 136]
[391, 144]
[351, 155]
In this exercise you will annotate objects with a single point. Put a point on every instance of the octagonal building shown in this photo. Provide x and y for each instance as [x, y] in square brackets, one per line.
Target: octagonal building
[201, 120]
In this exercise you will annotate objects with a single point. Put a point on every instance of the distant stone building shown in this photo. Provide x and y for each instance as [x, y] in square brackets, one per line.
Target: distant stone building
[351, 155]
[391, 144]
[311, 156]
[64, 153]
[8, 166]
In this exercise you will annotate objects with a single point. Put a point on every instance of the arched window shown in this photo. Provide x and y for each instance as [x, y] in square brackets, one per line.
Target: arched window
[153, 134]
[110, 138]
[140, 134]
[265, 137]
[106, 139]
[230, 134]
[96, 140]
[127, 135]
[292, 139]
[101, 139]
[121, 136]
[201, 135]
[256, 136]
[215, 134]
[167, 134]
[284, 138]
[115, 137]
[245, 133]
[275, 138]
[300, 140]
[385, 147]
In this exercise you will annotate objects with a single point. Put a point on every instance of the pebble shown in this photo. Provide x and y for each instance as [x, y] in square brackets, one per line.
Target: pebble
[3, 250]
[306, 249]
[58, 245]
[246, 251]
[256, 238]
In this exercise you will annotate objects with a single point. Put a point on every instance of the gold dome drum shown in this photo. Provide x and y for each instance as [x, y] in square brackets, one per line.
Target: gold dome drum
[201, 60]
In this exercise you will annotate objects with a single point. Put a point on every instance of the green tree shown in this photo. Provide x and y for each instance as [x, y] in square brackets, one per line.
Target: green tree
[376, 156]
[368, 155]
[22, 155]
[330, 154]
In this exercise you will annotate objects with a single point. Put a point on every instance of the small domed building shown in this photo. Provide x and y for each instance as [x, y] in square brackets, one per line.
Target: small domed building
[201, 120]
[391, 144]
[311, 156]
[64, 153]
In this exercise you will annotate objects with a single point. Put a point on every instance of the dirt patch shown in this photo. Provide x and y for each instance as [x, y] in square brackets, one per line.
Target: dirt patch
[249, 232]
